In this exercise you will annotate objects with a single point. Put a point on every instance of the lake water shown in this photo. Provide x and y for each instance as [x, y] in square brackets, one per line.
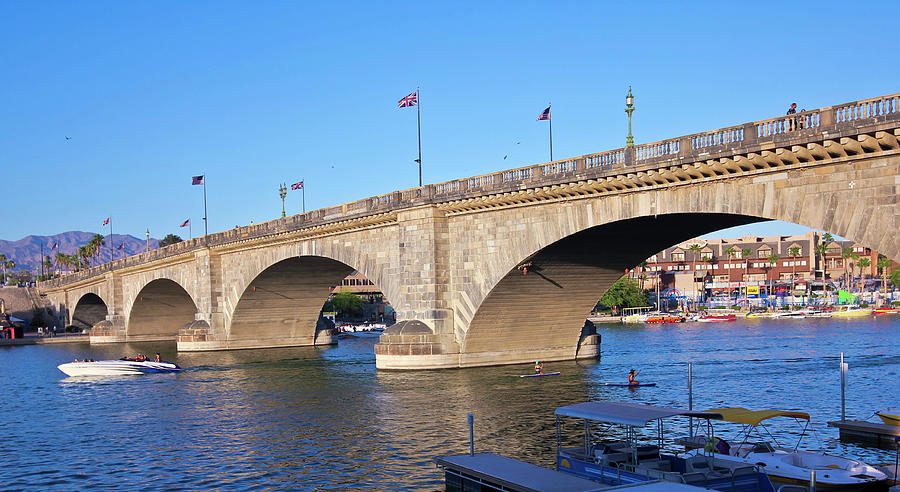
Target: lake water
[325, 419]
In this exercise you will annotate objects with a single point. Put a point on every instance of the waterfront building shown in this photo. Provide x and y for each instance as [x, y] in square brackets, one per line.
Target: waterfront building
[376, 307]
[720, 266]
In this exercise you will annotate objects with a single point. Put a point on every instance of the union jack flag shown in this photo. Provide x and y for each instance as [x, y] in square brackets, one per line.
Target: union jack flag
[545, 115]
[121, 246]
[105, 222]
[297, 186]
[185, 223]
[410, 100]
[55, 245]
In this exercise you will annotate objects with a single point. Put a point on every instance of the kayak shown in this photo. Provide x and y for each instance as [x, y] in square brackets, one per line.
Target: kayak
[630, 385]
[539, 375]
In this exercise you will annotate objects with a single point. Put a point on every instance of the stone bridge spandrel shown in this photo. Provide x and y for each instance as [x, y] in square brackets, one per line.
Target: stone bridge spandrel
[503, 268]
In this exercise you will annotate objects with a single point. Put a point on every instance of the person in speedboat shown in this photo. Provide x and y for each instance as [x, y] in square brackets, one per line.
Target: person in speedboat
[157, 359]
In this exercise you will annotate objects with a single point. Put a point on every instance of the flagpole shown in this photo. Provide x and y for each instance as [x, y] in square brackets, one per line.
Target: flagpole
[42, 259]
[112, 252]
[205, 215]
[190, 229]
[303, 195]
[419, 130]
[551, 131]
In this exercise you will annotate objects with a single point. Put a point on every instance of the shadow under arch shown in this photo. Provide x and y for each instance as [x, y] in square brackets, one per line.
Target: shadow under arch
[281, 305]
[89, 310]
[159, 310]
[543, 311]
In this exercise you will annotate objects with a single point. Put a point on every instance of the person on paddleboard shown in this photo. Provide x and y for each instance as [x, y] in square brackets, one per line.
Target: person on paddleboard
[538, 367]
[631, 376]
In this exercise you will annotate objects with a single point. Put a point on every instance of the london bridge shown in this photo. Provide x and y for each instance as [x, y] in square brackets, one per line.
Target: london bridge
[464, 262]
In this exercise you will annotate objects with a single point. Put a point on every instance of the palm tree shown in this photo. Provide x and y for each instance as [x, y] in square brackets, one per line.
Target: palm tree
[8, 264]
[863, 263]
[794, 251]
[730, 252]
[61, 260]
[96, 242]
[773, 261]
[696, 250]
[883, 264]
[846, 253]
[3, 263]
[745, 254]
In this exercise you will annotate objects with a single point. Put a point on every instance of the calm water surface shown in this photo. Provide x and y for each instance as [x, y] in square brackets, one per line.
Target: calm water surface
[325, 419]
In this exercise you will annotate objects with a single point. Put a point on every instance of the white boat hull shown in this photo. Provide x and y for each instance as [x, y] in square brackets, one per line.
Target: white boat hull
[115, 368]
[793, 467]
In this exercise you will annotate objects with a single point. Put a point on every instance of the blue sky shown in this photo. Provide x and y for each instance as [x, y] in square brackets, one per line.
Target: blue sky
[254, 94]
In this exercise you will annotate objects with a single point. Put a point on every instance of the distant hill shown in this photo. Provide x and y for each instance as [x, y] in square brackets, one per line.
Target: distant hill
[27, 251]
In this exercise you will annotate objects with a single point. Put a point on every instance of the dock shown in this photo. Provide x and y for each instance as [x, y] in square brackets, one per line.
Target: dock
[870, 433]
[489, 472]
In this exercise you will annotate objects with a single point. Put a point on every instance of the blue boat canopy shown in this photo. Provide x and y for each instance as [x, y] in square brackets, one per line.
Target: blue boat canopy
[626, 413]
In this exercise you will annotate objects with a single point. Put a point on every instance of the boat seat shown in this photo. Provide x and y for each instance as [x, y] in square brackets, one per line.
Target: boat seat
[697, 464]
[612, 459]
[692, 478]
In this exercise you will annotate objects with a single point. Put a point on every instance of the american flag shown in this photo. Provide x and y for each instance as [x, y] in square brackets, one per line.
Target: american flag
[197, 180]
[545, 115]
[121, 245]
[55, 245]
[105, 222]
[185, 223]
[410, 100]
[297, 186]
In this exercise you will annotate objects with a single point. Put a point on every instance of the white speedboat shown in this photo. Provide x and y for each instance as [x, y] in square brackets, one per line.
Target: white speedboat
[786, 465]
[116, 368]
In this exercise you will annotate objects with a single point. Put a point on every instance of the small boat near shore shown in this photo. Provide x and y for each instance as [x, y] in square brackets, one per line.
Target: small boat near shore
[783, 465]
[850, 311]
[713, 318]
[633, 461]
[886, 310]
[116, 368]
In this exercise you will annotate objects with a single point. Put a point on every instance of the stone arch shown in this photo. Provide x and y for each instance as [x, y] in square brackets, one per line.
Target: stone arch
[588, 243]
[89, 310]
[159, 310]
[281, 304]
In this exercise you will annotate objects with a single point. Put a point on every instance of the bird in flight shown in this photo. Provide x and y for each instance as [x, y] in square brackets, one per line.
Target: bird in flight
[68, 137]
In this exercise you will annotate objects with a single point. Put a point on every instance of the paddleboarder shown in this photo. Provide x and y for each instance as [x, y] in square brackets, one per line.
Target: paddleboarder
[631, 376]
[538, 367]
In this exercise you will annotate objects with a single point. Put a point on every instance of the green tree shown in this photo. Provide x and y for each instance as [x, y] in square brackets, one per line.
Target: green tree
[863, 263]
[8, 265]
[895, 277]
[347, 302]
[846, 254]
[745, 254]
[695, 248]
[730, 253]
[822, 250]
[794, 251]
[883, 264]
[169, 240]
[773, 262]
[624, 293]
[94, 246]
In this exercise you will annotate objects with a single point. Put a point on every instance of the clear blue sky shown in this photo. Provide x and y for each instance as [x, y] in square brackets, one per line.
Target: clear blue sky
[254, 94]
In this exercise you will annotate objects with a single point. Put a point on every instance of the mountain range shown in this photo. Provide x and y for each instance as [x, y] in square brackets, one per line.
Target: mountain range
[26, 252]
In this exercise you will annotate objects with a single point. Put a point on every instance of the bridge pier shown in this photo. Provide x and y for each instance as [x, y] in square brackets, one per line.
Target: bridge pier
[199, 336]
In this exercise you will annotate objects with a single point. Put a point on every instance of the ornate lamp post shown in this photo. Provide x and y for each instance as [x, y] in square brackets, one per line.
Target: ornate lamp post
[148, 240]
[282, 191]
[629, 108]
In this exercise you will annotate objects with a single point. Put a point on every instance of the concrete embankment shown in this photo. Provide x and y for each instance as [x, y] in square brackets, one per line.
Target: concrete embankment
[33, 339]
